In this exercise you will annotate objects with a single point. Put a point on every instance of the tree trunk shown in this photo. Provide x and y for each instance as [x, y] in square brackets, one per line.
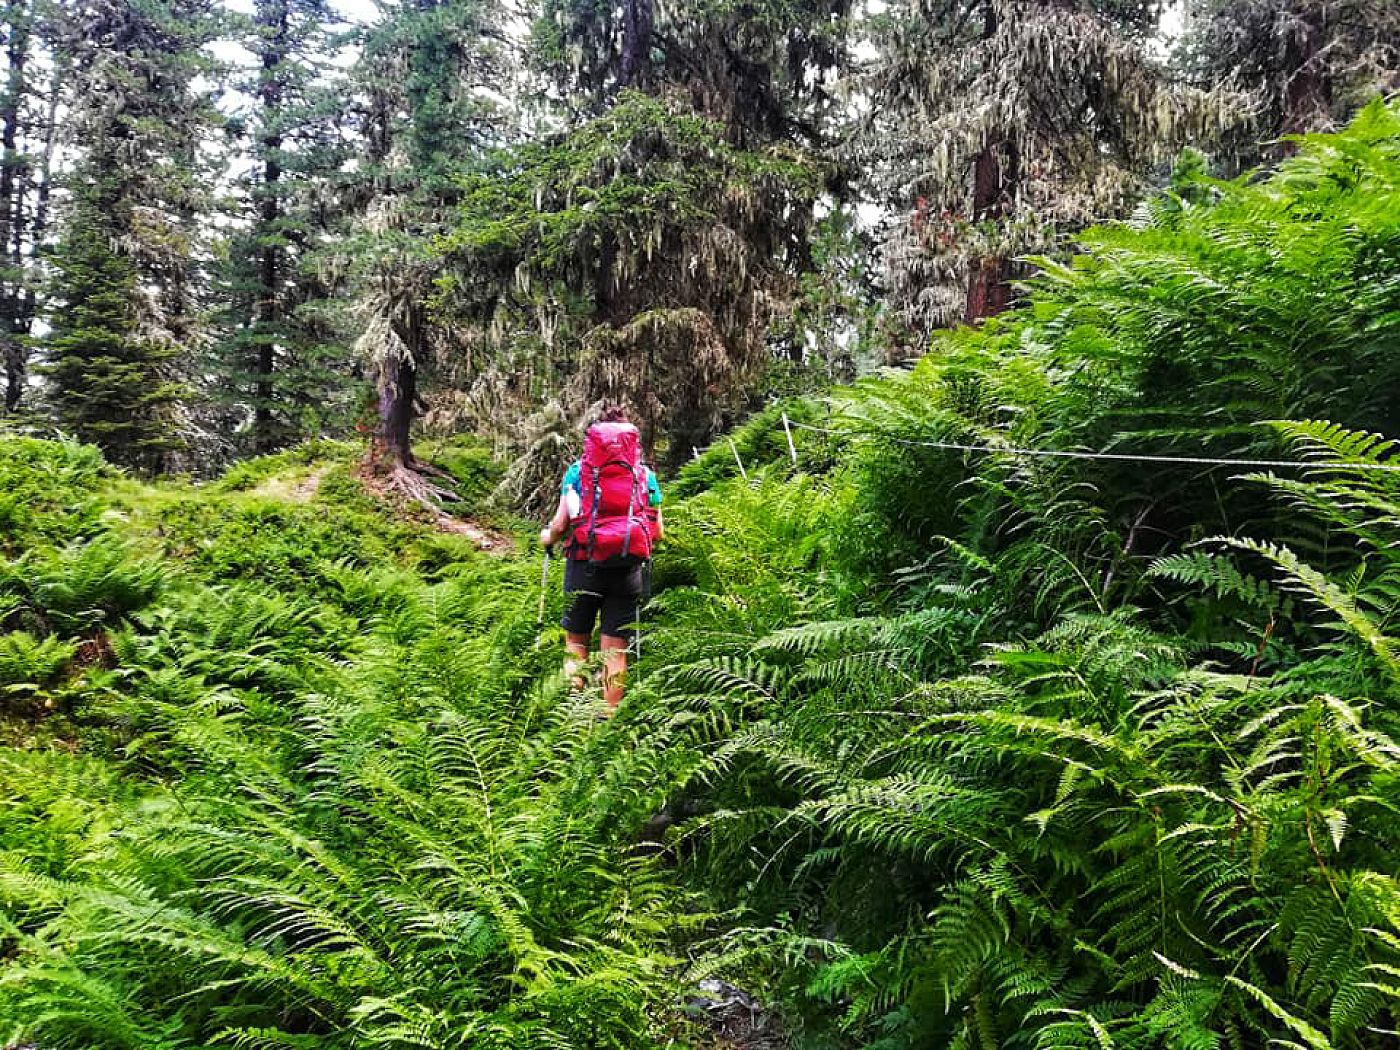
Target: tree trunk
[988, 279]
[604, 281]
[12, 328]
[988, 283]
[1307, 93]
[988, 288]
[22, 321]
[636, 41]
[397, 394]
[273, 20]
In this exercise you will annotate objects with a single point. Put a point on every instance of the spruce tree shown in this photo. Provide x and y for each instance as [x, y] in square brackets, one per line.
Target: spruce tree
[767, 70]
[128, 277]
[648, 253]
[28, 127]
[422, 122]
[109, 383]
[286, 371]
[1308, 63]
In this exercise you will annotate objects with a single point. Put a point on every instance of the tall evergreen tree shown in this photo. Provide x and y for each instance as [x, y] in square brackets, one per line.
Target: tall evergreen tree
[641, 256]
[109, 382]
[1309, 63]
[426, 115]
[126, 285]
[647, 252]
[765, 69]
[28, 129]
[999, 125]
[283, 363]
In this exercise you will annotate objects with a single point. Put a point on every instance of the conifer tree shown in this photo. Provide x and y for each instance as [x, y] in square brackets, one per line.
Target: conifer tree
[28, 127]
[284, 365]
[424, 118]
[127, 281]
[766, 70]
[999, 125]
[640, 257]
[1309, 63]
[110, 384]
[647, 252]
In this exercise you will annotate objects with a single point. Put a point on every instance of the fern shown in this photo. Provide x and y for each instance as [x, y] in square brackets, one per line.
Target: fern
[27, 663]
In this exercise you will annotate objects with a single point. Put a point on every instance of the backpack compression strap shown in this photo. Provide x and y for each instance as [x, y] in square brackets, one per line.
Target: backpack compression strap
[593, 511]
[631, 512]
[597, 496]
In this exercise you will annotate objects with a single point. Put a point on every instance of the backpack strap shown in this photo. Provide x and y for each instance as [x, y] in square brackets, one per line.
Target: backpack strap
[637, 486]
[631, 512]
[593, 509]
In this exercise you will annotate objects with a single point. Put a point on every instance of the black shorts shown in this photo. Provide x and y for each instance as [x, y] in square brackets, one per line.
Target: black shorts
[615, 592]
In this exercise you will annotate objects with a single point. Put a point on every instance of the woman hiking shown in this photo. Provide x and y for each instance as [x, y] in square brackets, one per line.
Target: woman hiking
[610, 511]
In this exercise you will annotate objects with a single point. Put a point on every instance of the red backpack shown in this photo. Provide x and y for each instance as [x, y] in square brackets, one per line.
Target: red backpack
[613, 523]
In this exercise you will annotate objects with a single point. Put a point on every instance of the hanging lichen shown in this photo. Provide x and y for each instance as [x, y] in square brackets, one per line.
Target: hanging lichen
[996, 128]
[646, 253]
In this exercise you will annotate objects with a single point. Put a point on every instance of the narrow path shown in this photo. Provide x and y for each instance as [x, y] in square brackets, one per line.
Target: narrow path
[291, 489]
[498, 543]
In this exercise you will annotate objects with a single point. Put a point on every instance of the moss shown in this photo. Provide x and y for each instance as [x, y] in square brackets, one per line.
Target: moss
[474, 468]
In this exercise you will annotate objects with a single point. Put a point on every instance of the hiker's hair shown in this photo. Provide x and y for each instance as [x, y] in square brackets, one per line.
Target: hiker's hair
[613, 412]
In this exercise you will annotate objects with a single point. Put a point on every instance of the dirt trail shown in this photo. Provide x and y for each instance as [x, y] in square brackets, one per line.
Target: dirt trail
[303, 489]
[292, 489]
[486, 539]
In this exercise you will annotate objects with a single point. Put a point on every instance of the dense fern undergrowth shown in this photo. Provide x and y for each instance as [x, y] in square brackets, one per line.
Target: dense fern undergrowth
[952, 748]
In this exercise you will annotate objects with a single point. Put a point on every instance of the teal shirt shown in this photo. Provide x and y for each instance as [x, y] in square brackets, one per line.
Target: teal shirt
[571, 481]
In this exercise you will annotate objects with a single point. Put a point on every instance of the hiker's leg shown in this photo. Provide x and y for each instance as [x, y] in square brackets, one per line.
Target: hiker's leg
[580, 615]
[614, 668]
[617, 618]
[575, 656]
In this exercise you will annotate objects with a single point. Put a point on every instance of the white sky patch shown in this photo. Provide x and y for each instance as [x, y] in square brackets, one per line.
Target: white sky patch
[1174, 20]
[356, 12]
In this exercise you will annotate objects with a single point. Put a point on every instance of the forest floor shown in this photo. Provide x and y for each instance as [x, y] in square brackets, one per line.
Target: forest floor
[491, 540]
[292, 488]
[735, 1019]
[205, 531]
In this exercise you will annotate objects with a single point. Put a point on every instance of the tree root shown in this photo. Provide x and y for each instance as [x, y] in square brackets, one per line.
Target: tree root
[736, 1019]
[411, 483]
[432, 471]
[407, 484]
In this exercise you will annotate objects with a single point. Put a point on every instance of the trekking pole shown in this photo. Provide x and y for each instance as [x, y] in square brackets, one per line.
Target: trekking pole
[646, 597]
[544, 587]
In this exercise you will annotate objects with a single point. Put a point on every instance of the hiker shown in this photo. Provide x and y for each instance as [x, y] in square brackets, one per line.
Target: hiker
[610, 510]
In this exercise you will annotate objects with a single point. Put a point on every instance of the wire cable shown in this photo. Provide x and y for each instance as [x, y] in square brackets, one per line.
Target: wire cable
[1126, 457]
